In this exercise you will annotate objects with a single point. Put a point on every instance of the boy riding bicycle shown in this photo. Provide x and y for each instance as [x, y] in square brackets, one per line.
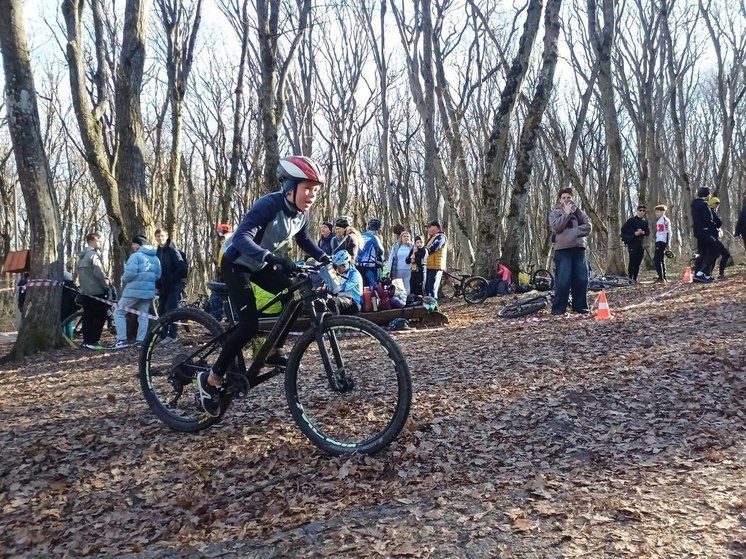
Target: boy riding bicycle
[250, 258]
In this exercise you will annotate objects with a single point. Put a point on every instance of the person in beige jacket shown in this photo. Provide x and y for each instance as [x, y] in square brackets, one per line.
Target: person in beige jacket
[570, 226]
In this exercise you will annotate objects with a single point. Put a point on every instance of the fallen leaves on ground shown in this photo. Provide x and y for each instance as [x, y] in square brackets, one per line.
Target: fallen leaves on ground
[543, 437]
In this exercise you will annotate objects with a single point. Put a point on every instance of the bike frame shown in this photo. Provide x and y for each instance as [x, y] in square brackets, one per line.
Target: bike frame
[292, 299]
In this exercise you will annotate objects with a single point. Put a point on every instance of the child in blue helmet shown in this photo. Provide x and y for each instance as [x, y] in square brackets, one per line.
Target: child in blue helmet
[348, 295]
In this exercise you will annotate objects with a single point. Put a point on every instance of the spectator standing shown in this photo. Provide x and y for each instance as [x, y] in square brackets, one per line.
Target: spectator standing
[706, 234]
[371, 254]
[67, 304]
[216, 300]
[662, 241]
[634, 231]
[437, 252]
[346, 238]
[325, 241]
[141, 272]
[93, 283]
[722, 252]
[173, 277]
[417, 259]
[398, 264]
[741, 224]
[22, 287]
[570, 226]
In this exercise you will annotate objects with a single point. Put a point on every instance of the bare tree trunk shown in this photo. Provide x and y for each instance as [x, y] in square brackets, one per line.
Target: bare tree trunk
[516, 223]
[274, 73]
[39, 329]
[130, 168]
[611, 193]
[180, 39]
[237, 142]
[499, 141]
[675, 93]
[428, 116]
[90, 119]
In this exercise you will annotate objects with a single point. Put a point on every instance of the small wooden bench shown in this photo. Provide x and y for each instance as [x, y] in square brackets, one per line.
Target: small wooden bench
[417, 316]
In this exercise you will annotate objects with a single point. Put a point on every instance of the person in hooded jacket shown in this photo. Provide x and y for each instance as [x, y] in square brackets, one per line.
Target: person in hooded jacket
[173, 276]
[634, 231]
[325, 240]
[371, 254]
[93, 282]
[141, 272]
[570, 226]
[741, 224]
[705, 231]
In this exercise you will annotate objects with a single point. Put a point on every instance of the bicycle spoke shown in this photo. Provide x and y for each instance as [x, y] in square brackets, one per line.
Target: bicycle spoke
[170, 367]
[350, 391]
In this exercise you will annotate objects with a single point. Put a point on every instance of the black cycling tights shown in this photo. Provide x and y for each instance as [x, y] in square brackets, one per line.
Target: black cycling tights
[237, 280]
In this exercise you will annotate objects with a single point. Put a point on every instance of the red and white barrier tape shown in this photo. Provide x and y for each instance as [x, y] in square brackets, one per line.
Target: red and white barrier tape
[57, 283]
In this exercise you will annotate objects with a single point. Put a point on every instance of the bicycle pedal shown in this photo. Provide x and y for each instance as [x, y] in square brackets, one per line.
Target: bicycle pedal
[236, 385]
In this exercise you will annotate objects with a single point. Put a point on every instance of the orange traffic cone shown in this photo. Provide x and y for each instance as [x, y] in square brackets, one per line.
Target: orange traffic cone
[687, 275]
[603, 307]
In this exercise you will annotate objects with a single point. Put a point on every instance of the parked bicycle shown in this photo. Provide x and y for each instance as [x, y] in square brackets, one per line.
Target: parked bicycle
[526, 306]
[455, 285]
[76, 318]
[347, 382]
[601, 283]
[539, 279]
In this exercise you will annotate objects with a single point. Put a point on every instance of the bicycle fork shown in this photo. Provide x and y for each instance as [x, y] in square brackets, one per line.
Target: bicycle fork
[335, 372]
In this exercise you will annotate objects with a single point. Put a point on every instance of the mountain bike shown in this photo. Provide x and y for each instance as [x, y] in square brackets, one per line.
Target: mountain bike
[539, 279]
[525, 307]
[347, 382]
[600, 283]
[454, 285]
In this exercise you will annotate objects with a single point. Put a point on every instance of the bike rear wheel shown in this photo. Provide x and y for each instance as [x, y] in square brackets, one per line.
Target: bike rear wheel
[168, 369]
[449, 289]
[475, 290]
[348, 386]
[523, 307]
[543, 280]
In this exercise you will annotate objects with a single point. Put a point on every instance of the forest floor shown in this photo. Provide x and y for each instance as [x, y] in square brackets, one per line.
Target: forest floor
[538, 437]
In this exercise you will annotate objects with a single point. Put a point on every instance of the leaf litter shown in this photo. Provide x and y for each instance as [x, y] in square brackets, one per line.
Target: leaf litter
[539, 437]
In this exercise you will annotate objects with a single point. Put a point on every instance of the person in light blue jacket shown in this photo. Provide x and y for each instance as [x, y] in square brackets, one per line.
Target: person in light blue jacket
[141, 272]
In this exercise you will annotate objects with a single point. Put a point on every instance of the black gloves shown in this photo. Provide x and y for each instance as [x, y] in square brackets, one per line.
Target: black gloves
[281, 264]
[325, 260]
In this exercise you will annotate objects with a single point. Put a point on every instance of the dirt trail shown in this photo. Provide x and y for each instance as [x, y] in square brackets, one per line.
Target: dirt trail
[543, 437]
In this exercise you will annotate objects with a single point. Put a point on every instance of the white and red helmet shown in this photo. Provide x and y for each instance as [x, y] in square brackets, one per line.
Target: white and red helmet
[298, 168]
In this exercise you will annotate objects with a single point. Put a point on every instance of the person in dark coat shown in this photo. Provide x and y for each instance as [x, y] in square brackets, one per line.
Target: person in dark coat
[173, 277]
[634, 231]
[741, 224]
[706, 234]
[325, 241]
[68, 305]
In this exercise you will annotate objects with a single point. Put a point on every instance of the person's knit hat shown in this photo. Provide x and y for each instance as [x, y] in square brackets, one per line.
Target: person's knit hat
[342, 221]
[329, 225]
[140, 240]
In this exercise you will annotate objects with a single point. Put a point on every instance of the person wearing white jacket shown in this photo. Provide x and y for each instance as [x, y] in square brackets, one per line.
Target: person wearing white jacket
[397, 264]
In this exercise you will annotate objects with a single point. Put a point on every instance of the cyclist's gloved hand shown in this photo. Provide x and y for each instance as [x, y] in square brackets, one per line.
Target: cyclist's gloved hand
[281, 264]
[325, 260]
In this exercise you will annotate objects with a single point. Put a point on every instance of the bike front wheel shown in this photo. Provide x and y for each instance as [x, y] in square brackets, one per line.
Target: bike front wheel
[475, 290]
[543, 280]
[348, 386]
